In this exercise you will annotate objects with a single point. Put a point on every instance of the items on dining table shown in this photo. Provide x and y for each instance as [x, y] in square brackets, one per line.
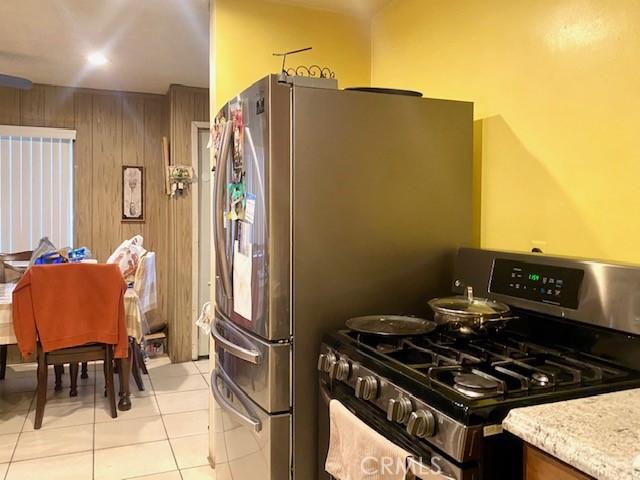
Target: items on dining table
[80, 254]
[127, 256]
[46, 253]
[75, 255]
[44, 247]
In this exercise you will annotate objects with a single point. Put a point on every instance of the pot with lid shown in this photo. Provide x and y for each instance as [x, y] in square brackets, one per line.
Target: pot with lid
[468, 314]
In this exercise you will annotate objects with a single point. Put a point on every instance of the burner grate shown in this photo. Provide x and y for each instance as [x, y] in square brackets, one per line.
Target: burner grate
[488, 367]
[469, 382]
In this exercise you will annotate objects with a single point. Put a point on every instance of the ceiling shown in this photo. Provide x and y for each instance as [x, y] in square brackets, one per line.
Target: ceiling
[364, 8]
[150, 44]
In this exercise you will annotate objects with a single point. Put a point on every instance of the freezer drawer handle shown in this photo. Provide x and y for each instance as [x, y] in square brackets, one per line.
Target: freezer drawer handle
[228, 406]
[246, 354]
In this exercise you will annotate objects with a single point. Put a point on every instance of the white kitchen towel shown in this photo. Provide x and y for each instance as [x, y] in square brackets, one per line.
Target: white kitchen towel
[357, 452]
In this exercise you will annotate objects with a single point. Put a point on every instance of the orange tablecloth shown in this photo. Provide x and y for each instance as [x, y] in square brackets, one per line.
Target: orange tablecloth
[7, 337]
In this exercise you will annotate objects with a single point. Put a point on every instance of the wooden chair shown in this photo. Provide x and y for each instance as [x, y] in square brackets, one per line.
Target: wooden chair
[16, 273]
[138, 367]
[8, 257]
[73, 356]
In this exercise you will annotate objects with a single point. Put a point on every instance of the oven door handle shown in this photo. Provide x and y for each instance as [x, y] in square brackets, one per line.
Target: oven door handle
[250, 419]
[246, 354]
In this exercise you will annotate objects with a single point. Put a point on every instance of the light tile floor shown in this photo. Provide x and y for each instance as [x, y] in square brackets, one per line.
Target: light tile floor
[163, 437]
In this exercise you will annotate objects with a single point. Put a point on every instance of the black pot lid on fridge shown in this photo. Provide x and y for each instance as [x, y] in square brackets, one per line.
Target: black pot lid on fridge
[390, 91]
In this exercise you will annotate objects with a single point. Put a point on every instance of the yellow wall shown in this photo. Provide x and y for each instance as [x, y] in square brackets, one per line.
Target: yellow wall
[247, 32]
[557, 91]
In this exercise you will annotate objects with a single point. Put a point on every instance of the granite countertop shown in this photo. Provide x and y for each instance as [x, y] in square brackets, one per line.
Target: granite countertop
[599, 435]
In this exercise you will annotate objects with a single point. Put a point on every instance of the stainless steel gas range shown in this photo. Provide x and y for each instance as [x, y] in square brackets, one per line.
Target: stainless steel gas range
[443, 396]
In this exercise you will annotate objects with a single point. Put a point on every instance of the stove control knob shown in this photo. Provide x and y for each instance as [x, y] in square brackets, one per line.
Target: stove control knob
[366, 388]
[398, 410]
[421, 424]
[325, 361]
[340, 370]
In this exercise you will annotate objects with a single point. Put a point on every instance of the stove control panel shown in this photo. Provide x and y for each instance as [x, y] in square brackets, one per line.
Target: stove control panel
[421, 424]
[326, 361]
[538, 282]
[402, 408]
[340, 370]
[399, 409]
[367, 387]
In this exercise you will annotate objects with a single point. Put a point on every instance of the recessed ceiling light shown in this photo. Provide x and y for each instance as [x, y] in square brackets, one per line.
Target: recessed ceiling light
[97, 58]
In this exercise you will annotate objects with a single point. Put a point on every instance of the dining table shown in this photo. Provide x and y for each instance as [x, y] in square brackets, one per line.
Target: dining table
[133, 321]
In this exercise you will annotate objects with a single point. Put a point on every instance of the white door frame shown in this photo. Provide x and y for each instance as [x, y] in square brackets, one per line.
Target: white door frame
[195, 241]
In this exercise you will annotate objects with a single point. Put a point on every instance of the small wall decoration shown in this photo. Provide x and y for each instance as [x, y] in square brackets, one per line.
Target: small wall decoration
[180, 177]
[132, 194]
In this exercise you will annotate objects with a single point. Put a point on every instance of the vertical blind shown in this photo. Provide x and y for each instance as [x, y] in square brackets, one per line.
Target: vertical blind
[36, 187]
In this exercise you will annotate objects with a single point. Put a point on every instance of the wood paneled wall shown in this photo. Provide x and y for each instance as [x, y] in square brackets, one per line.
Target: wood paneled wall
[113, 129]
[186, 105]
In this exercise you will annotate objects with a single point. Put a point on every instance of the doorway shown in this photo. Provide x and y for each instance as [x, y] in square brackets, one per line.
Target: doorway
[202, 232]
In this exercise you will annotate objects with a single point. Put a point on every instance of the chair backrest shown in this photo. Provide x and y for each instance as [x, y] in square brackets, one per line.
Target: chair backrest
[16, 273]
[145, 286]
[145, 281]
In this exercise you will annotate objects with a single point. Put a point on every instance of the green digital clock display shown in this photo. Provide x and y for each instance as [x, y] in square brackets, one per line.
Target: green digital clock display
[534, 276]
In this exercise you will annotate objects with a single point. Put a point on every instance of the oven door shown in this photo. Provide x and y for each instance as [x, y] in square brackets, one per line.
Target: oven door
[426, 464]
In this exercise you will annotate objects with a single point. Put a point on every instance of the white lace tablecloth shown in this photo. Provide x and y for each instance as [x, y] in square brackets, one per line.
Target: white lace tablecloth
[6, 324]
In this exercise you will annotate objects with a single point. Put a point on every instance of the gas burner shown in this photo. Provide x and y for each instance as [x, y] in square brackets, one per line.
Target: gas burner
[541, 379]
[385, 348]
[470, 383]
[548, 372]
[375, 342]
[475, 386]
[543, 372]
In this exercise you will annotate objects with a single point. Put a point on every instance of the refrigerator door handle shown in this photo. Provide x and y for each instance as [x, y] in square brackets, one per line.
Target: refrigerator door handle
[246, 354]
[250, 419]
[218, 212]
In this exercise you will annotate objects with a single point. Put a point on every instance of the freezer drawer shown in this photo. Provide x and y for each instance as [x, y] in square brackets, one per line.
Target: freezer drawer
[251, 443]
[261, 369]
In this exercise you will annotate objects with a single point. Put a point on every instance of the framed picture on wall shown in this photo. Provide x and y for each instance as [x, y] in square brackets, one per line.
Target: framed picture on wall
[132, 193]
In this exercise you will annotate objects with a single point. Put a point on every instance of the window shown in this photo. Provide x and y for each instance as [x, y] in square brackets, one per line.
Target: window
[36, 187]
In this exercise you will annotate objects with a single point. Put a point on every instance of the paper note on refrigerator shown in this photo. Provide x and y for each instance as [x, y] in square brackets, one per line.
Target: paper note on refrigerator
[250, 208]
[242, 266]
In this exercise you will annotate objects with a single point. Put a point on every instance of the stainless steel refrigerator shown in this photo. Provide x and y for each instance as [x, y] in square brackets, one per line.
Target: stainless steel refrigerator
[328, 204]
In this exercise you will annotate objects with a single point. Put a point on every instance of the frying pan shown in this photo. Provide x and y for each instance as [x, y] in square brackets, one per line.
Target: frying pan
[391, 325]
